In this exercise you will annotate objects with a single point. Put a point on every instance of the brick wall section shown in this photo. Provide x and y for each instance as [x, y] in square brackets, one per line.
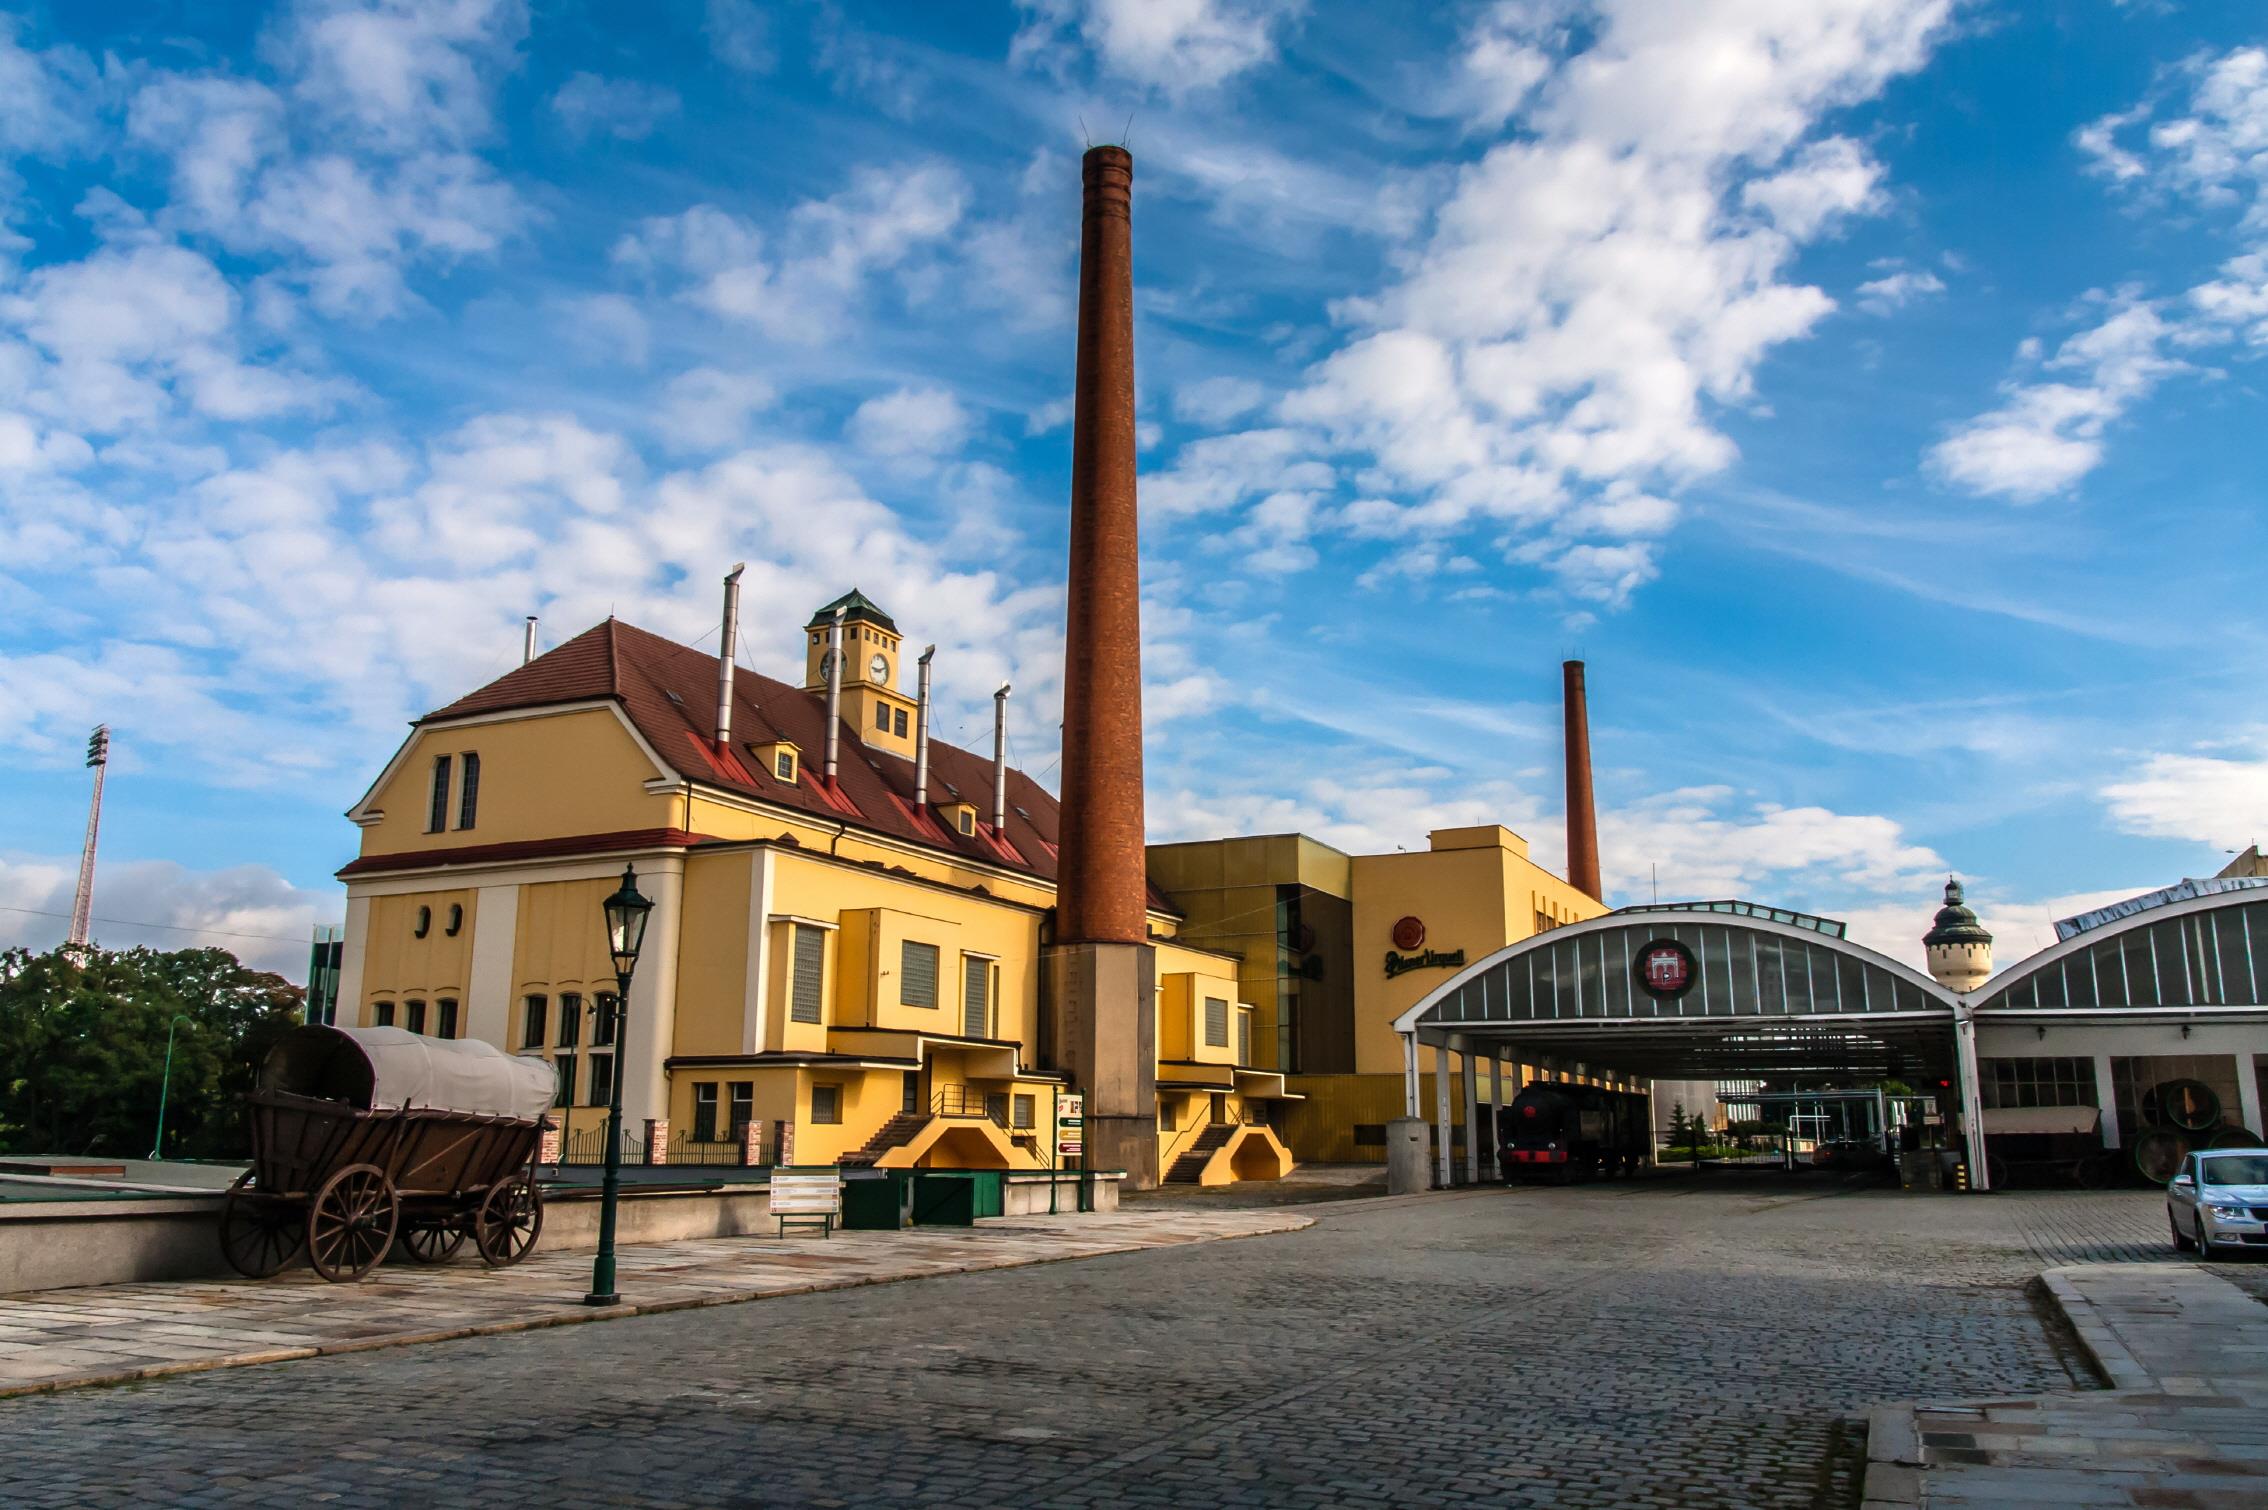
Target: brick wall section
[1101, 886]
[751, 1142]
[657, 1140]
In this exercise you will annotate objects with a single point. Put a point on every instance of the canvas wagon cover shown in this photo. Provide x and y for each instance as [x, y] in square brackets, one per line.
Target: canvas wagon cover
[383, 1069]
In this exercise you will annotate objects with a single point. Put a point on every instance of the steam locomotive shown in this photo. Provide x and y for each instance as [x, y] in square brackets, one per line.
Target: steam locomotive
[1571, 1132]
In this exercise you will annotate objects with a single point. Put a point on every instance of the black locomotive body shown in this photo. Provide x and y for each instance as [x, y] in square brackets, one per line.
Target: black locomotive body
[1569, 1132]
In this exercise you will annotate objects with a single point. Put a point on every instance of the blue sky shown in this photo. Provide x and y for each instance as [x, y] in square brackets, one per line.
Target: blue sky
[1869, 389]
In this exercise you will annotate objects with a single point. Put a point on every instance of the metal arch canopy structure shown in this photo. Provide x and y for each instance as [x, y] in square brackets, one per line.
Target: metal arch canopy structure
[1771, 993]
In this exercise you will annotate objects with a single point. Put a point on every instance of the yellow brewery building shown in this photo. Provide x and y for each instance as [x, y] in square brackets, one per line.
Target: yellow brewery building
[843, 963]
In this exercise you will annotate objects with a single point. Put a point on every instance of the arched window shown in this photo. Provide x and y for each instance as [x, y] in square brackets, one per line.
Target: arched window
[468, 792]
[437, 809]
[424, 924]
[456, 919]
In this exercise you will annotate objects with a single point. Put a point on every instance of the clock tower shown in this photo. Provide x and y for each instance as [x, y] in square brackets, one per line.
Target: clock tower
[875, 710]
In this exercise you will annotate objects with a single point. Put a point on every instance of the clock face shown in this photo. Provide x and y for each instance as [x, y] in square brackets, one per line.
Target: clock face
[879, 668]
[826, 664]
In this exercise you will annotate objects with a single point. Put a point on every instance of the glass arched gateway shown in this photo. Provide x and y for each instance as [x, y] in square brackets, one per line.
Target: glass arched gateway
[2161, 990]
[1690, 990]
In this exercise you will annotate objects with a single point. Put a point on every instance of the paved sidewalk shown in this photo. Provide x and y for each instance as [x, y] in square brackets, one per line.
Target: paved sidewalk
[2184, 1423]
[107, 1334]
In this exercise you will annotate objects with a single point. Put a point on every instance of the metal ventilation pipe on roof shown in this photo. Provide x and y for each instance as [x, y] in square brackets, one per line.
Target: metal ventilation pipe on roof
[834, 666]
[527, 642]
[724, 653]
[921, 734]
[1000, 760]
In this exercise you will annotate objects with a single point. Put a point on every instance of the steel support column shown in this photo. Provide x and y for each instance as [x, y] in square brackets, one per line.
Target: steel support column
[1410, 1099]
[1972, 1096]
[1495, 1112]
[1441, 1124]
[2106, 1102]
[1472, 1118]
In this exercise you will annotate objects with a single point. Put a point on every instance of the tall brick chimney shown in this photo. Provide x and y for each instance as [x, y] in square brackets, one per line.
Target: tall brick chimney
[1102, 970]
[1582, 812]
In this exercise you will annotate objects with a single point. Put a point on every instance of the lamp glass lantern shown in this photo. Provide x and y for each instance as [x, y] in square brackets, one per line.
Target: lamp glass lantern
[626, 913]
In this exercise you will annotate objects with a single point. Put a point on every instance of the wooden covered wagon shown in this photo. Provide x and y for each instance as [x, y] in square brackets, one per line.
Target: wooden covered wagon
[361, 1136]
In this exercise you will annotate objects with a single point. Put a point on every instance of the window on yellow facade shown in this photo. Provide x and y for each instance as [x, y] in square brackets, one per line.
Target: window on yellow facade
[705, 1111]
[976, 996]
[600, 1089]
[1244, 1036]
[570, 1019]
[1026, 1109]
[882, 718]
[532, 1015]
[1216, 1022]
[382, 1015]
[807, 973]
[602, 1020]
[1165, 1116]
[446, 1010]
[456, 923]
[965, 819]
[468, 789]
[900, 724]
[743, 1107]
[415, 1016]
[564, 1063]
[917, 974]
[437, 805]
[827, 1104]
[783, 765]
[423, 923]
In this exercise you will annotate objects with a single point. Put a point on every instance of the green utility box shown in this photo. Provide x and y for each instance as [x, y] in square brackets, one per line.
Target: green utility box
[955, 1197]
[883, 1202]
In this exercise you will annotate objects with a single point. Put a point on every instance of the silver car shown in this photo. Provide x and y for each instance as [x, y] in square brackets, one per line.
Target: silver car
[2219, 1201]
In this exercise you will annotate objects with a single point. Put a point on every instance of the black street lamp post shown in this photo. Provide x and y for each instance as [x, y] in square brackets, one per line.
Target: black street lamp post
[626, 914]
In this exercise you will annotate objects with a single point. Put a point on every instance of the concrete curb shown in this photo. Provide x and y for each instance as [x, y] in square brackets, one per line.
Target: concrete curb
[579, 1315]
[2120, 1367]
[1893, 1459]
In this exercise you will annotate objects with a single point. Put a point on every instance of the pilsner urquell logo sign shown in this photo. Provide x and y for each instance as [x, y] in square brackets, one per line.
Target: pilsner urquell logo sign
[1407, 954]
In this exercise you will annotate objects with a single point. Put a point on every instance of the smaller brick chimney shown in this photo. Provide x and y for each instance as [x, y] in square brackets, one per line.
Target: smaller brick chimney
[1582, 814]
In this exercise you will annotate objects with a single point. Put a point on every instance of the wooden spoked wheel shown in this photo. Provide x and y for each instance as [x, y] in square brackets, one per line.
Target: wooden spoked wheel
[509, 1221]
[260, 1235]
[431, 1243]
[351, 1221]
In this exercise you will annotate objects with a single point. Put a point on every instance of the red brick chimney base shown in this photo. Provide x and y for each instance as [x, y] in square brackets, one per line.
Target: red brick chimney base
[1104, 998]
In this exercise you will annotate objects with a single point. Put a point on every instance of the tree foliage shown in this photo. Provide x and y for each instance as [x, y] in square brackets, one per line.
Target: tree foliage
[82, 1049]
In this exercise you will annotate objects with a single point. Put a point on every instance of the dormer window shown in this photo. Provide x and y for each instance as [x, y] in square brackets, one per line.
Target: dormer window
[780, 757]
[964, 818]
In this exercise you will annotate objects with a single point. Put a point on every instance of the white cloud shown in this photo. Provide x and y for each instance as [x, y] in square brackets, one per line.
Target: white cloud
[740, 35]
[1894, 291]
[1174, 46]
[248, 910]
[910, 424]
[708, 409]
[2212, 152]
[587, 105]
[1274, 536]
[1217, 401]
[2049, 434]
[1592, 290]
[402, 73]
[1222, 471]
[829, 249]
[2218, 797]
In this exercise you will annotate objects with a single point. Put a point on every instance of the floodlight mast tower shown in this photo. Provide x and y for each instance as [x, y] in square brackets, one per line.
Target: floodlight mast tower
[82, 904]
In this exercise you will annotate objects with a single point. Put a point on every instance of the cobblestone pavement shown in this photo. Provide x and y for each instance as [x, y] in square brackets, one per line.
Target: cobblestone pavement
[105, 1333]
[1687, 1343]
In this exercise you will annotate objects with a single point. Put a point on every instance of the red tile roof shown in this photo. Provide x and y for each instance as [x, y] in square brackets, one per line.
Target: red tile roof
[640, 670]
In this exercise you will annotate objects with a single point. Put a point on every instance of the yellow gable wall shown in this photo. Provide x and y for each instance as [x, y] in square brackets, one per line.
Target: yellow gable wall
[560, 945]
[541, 776]
[401, 966]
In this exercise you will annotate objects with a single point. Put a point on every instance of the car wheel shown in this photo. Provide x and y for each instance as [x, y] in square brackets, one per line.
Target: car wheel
[2181, 1244]
[2205, 1248]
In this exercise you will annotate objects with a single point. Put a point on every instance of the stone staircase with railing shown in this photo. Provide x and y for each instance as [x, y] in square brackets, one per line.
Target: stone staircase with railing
[1191, 1164]
[895, 1133]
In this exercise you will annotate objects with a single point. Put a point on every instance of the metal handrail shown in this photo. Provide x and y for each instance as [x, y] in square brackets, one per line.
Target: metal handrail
[967, 1101]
